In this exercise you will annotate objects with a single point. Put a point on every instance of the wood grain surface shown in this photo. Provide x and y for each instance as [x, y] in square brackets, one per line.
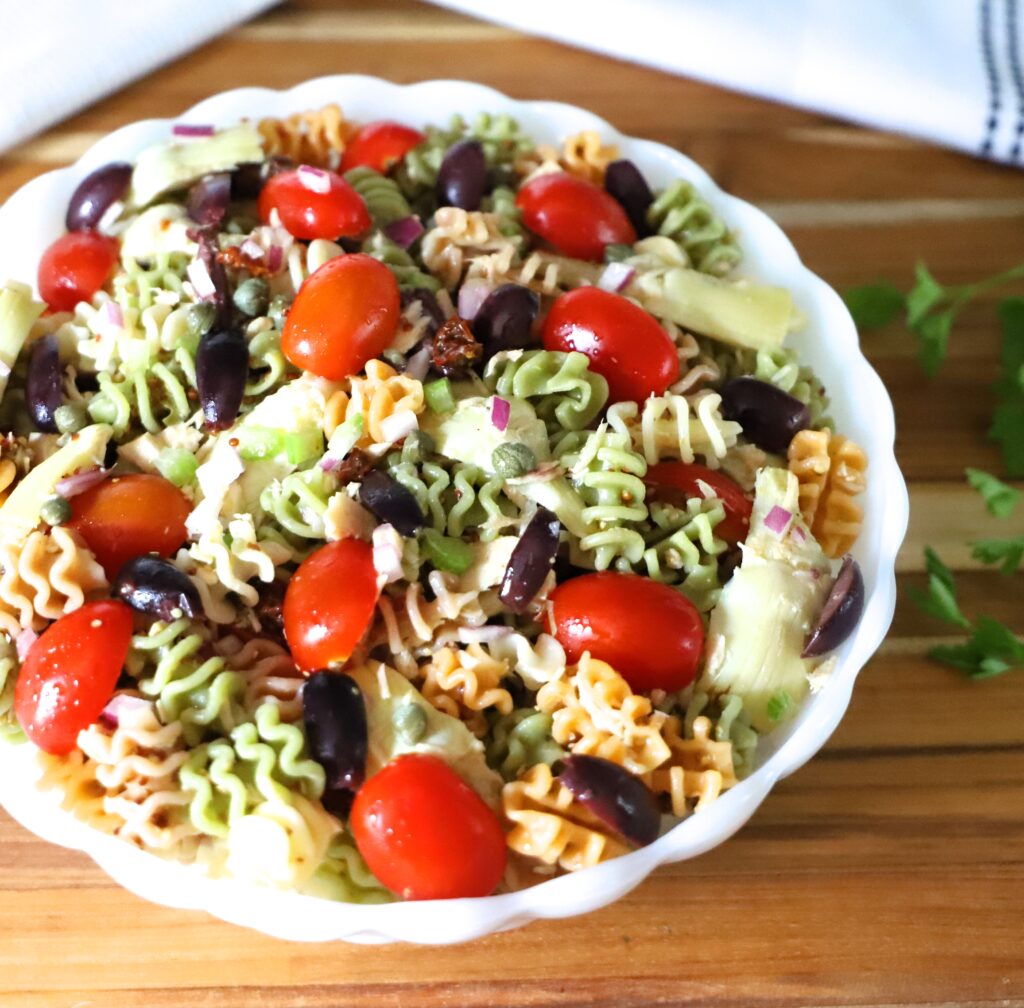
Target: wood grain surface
[890, 870]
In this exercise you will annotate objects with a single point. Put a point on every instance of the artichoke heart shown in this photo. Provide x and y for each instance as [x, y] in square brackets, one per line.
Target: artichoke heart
[759, 626]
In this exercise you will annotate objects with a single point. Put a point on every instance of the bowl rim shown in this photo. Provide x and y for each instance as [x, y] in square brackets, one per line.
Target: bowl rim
[36, 210]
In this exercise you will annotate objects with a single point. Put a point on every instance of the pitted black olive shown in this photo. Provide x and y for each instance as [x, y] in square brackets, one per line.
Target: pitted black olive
[44, 383]
[841, 613]
[531, 561]
[151, 584]
[334, 715]
[222, 368]
[462, 178]
[505, 319]
[391, 502]
[208, 199]
[615, 796]
[96, 193]
[769, 417]
[623, 182]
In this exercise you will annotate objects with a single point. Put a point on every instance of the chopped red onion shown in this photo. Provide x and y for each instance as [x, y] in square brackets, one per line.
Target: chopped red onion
[419, 363]
[192, 130]
[798, 533]
[616, 277]
[387, 554]
[405, 231]
[200, 278]
[398, 425]
[23, 643]
[778, 519]
[501, 410]
[472, 295]
[275, 257]
[252, 249]
[329, 462]
[119, 705]
[112, 314]
[316, 180]
[71, 486]
[544, 473]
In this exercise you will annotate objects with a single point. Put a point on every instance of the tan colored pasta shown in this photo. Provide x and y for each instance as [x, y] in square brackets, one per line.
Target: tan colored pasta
[315, 137]
[831, 472]
[456, 237]
[550, 826]
[697, 770]
[542, 272]
[44, 577]
[595, 713]
[809, 461]
[464, 682]
[381, 394]
[269, 672]
[582, 154]
[74, 777]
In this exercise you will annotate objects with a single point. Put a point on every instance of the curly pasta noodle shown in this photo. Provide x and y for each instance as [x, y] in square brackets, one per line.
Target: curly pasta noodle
[137, 764]
[549, 825]
[457, 236]
[698, 769]
[542, 272]
[44, 577]
[830, 470]
[269, 673]
[464, 682]
[74, 777]
[383, 395]
[582, 154]
[315, 137]
[594, 712]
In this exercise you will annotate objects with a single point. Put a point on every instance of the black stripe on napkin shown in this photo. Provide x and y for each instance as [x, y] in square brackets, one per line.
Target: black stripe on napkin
[1017, 73]
[994, 96]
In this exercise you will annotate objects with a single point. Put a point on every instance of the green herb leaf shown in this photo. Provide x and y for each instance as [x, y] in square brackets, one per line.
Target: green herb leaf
[874, 305]
[999, 498]
[926, 293]
[992, 649]
[933, 340]
[940, 599]
[778, 705]
[1008, 553]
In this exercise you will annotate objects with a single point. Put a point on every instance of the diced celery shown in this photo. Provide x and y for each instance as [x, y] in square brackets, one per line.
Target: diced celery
[259, 442]
[301, 446]
[345, 436]
[446, 553]
[438, 395]
[177, 465]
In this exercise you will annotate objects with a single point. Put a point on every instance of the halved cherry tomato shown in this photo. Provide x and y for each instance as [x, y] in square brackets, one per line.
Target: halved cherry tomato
[574, 215]
[329, 602]
[70, 673]
[648, 632]
[308, 213]
[623, 342]
[346, 313]
[378, 145]
[75, 267]
[128, 516]
[425, 833]
[677, 482]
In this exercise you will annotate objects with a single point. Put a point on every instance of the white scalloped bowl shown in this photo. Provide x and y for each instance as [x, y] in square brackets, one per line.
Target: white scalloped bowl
[33, 217]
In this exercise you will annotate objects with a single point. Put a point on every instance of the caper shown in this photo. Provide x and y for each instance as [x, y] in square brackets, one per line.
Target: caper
[55, 510]
[200, 317]
[410, 723]
[70, 418]
[513, 459]
[279, 309]
[252, 297]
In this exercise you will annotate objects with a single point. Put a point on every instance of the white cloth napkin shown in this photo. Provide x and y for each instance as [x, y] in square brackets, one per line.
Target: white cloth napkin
[57, 56]
[950, 71]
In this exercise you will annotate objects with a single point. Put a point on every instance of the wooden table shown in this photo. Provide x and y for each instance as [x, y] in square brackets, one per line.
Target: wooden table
[890, 871]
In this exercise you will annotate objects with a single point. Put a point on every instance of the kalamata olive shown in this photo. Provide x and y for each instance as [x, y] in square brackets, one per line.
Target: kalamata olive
[44, 383]
[531, 561]
[150, 584]
[615, 796]
[222, 367]
[428, 302]
[248, 179]
[623, 182]
[334, 715]
[505, 319]
[391, 502]
[96, 193]
[769, 417]
[841, 613]
[462, 178]
[208, 199]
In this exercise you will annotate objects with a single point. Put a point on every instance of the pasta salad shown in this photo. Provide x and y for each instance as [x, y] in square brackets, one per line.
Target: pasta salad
[391, 513]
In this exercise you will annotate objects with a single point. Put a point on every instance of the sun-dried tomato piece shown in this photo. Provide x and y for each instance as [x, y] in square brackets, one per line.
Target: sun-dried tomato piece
[235, 258]
[455, 348]
[354, 466]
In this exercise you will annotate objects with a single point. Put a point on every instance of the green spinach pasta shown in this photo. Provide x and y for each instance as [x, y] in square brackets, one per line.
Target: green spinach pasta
[391, 513]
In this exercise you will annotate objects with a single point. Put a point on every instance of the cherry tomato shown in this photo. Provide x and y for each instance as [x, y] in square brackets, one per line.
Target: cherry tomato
[128, 516]
[309, 213]
[70, 673]
[425, 833]
[648, 632]
[329, 602]
[574, 215]
[677, 482]
[378, 145]
[346, 313]
[75, 267]
[623, 342]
